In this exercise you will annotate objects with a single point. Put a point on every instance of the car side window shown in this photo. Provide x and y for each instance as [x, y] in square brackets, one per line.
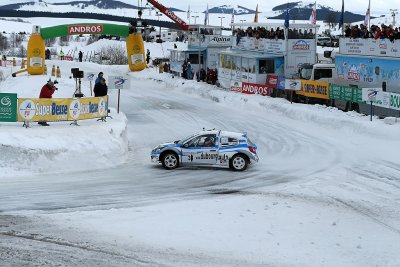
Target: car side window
[228, 141]
[207, 140]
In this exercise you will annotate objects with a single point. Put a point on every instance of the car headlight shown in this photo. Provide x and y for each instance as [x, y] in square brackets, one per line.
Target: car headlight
[157, 149]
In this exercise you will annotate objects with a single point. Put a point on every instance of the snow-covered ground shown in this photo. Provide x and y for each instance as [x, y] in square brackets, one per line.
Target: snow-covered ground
[325, 192]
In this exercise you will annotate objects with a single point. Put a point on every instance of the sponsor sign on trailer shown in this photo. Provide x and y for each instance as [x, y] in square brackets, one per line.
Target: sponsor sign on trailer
[118, 82]
[314, 89]
[8, 107]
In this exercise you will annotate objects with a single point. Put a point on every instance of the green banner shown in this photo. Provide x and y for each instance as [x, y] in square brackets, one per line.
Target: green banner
[85, 28]
[8, 107]
[345, 93]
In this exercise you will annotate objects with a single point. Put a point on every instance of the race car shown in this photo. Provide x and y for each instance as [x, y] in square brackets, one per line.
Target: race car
[208, 148]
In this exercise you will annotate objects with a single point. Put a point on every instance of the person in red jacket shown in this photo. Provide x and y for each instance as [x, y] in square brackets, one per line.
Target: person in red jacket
[47, 92]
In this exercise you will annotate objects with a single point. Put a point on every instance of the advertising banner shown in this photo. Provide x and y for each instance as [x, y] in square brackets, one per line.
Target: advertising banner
[87, 108]
[236, 86]
[61, 109]
[346, 93]
[388, 100]
[292, 84]
[250, 88]
[314, 89]
[118, 82]
[90, 76]
[367, 70]
[369, 47]
[8, 107]
[341, 92]
[42, 109]
[259, 89]
[281, 83]
[372, 94]
[272, 80]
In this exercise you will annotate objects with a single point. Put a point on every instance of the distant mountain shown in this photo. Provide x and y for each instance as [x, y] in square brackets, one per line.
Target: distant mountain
[84, 6]
[302, 11]
[227, 9]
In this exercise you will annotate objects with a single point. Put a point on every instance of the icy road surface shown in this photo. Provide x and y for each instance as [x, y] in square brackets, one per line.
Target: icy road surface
[319, 168]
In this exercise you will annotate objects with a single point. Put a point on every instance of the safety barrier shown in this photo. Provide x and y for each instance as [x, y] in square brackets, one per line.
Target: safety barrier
[13, 109]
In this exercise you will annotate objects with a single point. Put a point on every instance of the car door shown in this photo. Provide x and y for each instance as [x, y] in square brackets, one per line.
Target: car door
[200, 150]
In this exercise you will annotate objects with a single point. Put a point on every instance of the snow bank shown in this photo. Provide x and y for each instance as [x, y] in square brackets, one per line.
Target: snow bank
[62, 147]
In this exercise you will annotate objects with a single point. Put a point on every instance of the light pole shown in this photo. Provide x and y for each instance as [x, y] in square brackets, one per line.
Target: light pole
[242, 21]
[158, 15]
[394, 12]
[221, 21]
[195, 17]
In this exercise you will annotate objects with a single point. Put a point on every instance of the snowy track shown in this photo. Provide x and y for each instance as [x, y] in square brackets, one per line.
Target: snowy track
[308, 162]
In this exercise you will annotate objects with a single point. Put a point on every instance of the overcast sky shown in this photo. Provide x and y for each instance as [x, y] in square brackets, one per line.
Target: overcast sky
[360, 6]
[378, 7]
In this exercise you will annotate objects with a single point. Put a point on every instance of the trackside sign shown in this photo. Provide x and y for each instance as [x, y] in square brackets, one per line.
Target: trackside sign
[251, 88]
[89, 29]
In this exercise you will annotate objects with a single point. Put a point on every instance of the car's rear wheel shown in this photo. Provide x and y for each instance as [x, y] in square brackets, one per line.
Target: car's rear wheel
[238, 162]
[170, 160]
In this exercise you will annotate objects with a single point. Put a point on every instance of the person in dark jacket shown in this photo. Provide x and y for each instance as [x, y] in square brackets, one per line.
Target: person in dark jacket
[100, 89]
[80, 55]
[99, 77]
[47, 92]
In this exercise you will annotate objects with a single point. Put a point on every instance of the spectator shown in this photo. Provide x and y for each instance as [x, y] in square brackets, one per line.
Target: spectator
[99, 77]
[61, 55]
[166, 67]
[148, 56]
[47, 54]
[184, 69]
[100, 89]
[80, 55]
[189, 71]
[47, 92]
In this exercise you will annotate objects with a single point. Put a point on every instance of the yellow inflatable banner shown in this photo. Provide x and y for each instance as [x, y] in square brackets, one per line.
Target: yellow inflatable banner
[61, 109]
[314, 89]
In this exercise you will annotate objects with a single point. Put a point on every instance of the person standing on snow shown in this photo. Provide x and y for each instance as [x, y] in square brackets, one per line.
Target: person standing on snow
[148, 56]
[61, 55]
[100, 89]
[47, 92]
[189, 71]
[80, 55]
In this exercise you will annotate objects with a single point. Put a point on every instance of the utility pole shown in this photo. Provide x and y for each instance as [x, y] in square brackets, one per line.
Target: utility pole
[158, 15]
[221, 21]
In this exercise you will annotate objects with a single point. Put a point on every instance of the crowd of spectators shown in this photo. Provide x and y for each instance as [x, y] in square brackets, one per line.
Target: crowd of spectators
[376, 32]
[278, 33]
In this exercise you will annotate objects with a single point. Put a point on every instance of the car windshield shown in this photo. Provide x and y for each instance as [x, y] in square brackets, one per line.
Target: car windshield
[184, 140]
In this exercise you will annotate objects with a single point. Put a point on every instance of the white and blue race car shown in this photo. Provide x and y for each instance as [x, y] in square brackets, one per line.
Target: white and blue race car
[208, 148]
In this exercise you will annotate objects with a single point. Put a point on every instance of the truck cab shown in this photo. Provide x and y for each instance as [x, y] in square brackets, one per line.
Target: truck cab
[323, 72]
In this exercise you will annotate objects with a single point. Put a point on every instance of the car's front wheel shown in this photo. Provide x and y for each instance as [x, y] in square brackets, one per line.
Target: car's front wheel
[238, 162]
[170, 160]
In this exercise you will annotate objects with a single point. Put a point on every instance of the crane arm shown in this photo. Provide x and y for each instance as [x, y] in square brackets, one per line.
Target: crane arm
[170, 14]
